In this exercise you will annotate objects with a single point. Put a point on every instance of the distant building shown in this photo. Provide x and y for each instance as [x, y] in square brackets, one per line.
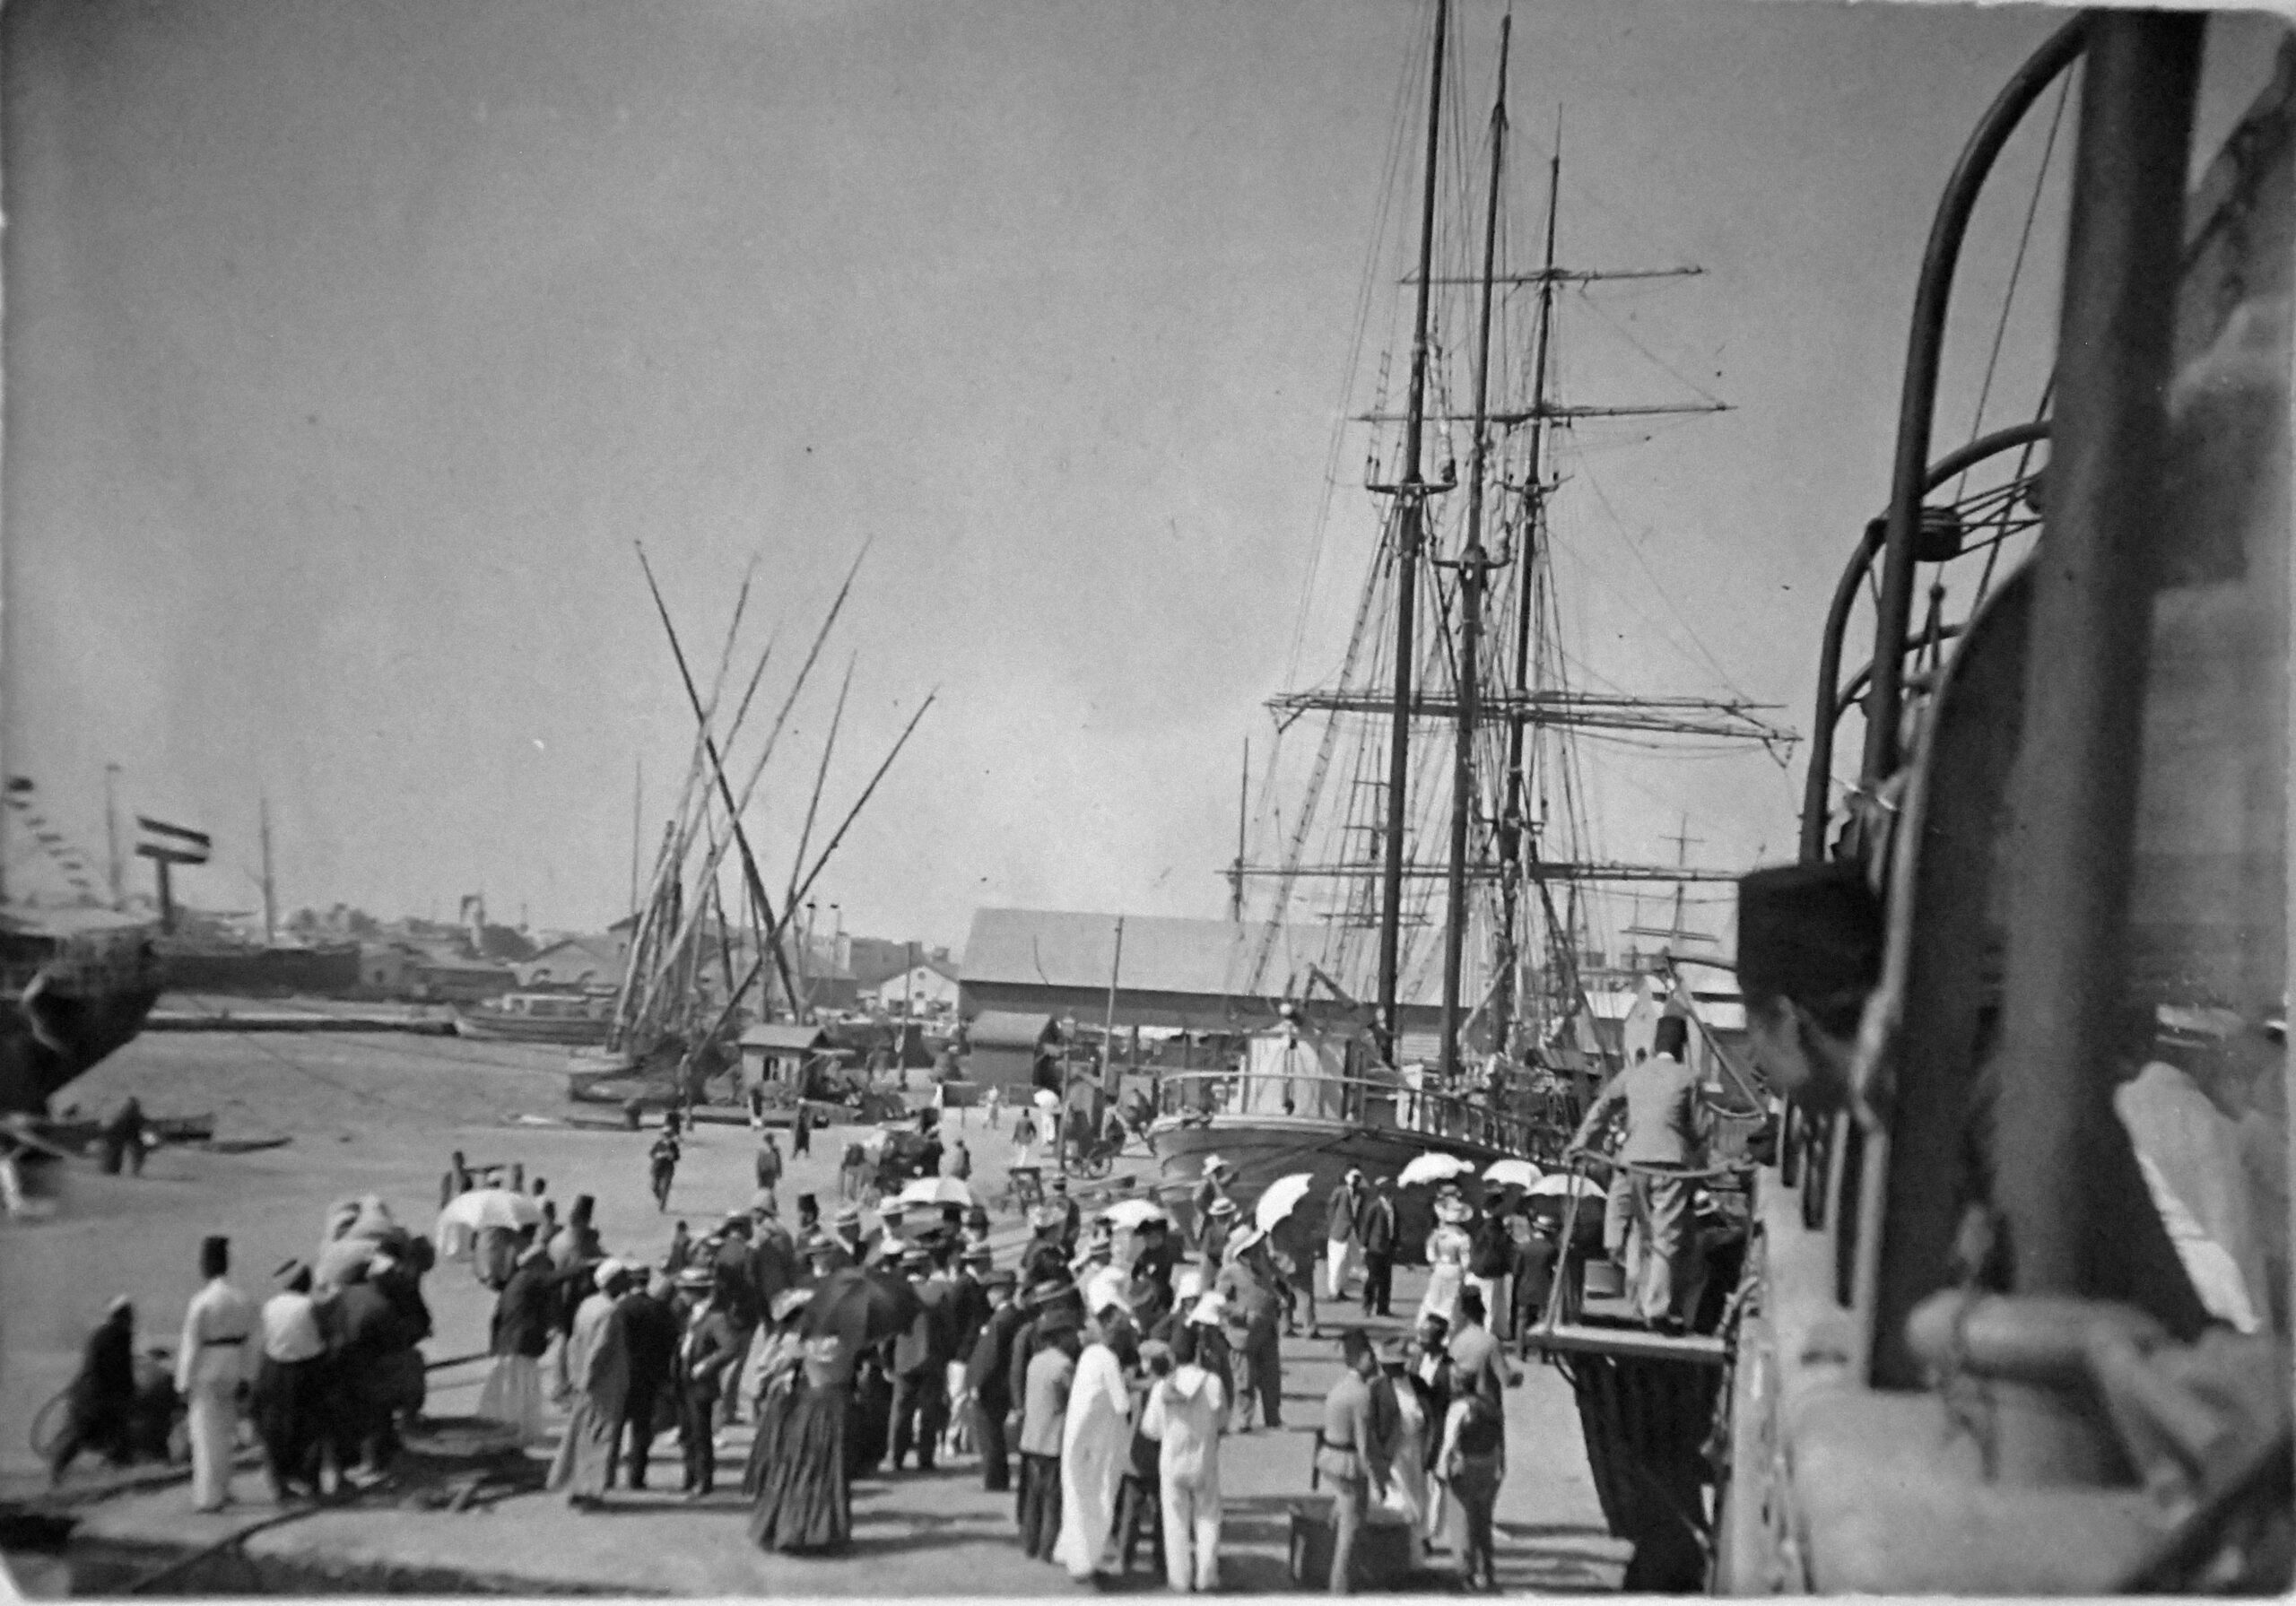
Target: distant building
[930, 987]
[576, 962]
[388, 968]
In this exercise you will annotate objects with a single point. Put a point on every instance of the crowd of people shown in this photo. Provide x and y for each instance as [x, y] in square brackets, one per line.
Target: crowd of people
[1094, 1375]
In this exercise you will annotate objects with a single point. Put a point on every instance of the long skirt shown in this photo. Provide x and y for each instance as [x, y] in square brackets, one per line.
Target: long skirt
[584, 1464]
[1444, 1280]
[512, 1395]
[773, 1409]
[806, 1500]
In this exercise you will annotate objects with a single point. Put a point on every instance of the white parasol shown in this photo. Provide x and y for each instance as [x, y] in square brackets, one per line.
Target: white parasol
[1046, 1099]
[1280, 1199]
[1433, 1167]
[1512, 1172]
[1560, 1186]
[1126, 1215]
[935, 1190]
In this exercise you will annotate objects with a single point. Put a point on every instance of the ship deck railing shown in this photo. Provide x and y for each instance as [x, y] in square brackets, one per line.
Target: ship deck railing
[1359, 1101]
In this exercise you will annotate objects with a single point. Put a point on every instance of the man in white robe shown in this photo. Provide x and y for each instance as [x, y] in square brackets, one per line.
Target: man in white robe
[214, 1365]
[1095, 1445]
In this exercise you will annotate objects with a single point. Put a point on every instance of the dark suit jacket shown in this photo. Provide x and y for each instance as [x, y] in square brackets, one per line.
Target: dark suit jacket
[988, 1372]
[650, 1329]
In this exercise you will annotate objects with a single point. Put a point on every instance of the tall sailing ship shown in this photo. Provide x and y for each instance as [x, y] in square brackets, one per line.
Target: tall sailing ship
[1442, 999]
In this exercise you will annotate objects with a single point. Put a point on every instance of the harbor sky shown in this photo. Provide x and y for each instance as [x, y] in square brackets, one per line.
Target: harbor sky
[349, 350]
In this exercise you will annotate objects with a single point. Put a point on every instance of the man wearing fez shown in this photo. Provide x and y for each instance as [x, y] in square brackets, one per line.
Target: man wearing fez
[1662, 1139]
[213, 1367]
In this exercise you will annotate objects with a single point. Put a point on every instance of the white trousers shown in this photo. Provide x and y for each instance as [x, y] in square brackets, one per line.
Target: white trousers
[1337, 1252]
[214, 1426]
[1192, 1533]
[1493, 1316]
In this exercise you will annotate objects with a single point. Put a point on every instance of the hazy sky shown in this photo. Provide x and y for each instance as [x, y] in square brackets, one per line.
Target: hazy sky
[348, 348]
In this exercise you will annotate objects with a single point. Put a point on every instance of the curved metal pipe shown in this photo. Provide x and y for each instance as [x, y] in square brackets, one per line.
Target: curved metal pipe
[1817, 786]
[1917, 403]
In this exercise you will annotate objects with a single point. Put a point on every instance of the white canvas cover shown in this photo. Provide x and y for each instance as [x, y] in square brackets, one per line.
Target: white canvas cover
[1294, 1073]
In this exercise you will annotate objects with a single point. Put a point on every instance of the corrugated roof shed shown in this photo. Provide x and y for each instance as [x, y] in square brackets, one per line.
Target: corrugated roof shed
[1005, 1028]
[1161, 954]
[784, 1036]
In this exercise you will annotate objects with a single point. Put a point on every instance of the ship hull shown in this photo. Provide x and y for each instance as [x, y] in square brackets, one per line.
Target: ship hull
[94, 993]
[1262, 1147]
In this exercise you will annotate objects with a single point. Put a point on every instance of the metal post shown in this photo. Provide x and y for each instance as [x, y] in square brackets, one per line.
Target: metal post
[2075, 800]
[1918, 402]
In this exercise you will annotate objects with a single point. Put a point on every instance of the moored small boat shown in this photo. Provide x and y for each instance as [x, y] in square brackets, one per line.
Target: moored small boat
[535, 1018]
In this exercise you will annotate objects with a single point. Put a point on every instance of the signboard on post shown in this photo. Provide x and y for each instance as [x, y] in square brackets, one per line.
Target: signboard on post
[168, 846]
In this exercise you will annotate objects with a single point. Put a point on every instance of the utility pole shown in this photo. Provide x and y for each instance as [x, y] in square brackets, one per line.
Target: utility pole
[111, 839]
[270, 899]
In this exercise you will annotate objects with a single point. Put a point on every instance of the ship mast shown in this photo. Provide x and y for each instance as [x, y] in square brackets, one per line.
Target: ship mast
[1513, 818]
[1473, 566]
[1410, 495]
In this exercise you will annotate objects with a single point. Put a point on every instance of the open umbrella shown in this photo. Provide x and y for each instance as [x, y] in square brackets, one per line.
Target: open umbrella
[1512, 1172]
[861, 1307]
[1433, 1167]
[1280, 1198]
[467, 1215]
[929, 1190]
[1126, 1215]
[1560, 1186]
[1046, 1099]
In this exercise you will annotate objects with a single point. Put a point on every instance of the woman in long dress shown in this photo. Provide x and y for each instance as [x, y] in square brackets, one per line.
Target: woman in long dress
[1095, 1445]
[805, 1501]
[1408, 1494]
[770, 1381]
[597, 1356]
[1447, 1249]
[524, 1315]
